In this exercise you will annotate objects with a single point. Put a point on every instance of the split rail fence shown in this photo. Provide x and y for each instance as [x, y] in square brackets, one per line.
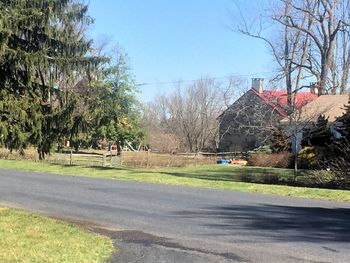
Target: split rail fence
[144, 159]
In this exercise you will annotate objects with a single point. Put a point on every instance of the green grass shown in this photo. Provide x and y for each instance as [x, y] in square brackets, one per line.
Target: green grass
[25, 237]
[209, 176]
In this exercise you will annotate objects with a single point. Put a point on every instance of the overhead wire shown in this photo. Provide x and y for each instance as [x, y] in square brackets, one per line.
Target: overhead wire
[205, 78]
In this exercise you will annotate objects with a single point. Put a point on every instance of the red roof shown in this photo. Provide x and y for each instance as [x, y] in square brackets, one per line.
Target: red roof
[277, 99]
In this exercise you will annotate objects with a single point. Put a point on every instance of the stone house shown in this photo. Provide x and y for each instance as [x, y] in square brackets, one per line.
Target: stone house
[248, 122]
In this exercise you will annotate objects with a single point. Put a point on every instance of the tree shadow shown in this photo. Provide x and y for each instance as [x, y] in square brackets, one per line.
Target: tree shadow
[279, 223]
[96, 167]
[107, 168]
[246, 175]
[251, 175]
[212, 176]
[62, 164]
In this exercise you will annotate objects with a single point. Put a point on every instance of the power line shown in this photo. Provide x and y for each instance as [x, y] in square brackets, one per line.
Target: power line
[209, 78]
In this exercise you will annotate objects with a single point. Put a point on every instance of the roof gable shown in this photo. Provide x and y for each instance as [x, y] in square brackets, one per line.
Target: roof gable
[277, 99]
[331, 106]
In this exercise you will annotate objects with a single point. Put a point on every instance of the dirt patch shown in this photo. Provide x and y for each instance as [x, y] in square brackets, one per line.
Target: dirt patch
[145, 239]
[137, 246]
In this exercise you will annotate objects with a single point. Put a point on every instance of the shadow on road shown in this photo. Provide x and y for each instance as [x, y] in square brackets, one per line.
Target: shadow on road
[279, 223]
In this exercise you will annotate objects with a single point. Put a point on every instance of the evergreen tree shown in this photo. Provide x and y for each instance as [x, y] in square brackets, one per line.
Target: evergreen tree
[42, 47]
[337, 157]
[279, 141]
[337, 160]
[320, 134]
[344, 127]
[117, 112]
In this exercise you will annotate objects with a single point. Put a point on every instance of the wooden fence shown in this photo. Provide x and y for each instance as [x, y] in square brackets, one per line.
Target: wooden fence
[144, 159]
[104, 160]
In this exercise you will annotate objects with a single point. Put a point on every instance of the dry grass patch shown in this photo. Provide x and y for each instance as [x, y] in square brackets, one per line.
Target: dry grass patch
[27, 154]
[156, 160]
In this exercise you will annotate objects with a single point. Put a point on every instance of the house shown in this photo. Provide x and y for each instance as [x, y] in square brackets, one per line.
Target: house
[247, 123]
[330, 106]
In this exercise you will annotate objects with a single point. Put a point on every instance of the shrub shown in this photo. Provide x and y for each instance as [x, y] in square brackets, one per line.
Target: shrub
[27, 154]
[338, 161]
[318, 178]
[323, 177]
[277, 160]
[307, 158]
[4, 153]
[311, 157]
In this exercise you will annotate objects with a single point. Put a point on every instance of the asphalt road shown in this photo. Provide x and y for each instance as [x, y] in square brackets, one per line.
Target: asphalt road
[159, 223]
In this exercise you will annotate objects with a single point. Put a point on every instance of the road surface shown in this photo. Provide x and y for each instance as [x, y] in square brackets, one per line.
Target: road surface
[159, 223]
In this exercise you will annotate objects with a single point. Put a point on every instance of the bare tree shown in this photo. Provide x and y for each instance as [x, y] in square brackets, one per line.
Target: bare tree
[191, 113]
[325, 21]
[341, 66]
[158, 137]
[312, 42]
[288, 49]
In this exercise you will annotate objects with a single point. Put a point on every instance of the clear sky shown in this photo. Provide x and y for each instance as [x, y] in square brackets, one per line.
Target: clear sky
[178, 40]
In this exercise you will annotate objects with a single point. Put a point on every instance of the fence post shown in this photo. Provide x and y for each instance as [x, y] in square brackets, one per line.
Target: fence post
[103, 160]
[71, 157]
[147, 159]
[170, 159]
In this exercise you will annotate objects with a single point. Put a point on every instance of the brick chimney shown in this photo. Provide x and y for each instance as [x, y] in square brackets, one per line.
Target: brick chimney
[258, 84]
[314, 88]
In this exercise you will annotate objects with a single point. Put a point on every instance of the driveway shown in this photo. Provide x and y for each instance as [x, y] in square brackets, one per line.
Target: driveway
[159, 223]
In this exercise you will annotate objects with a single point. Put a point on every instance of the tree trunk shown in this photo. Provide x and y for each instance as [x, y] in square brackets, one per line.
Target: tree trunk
[324, 75]
[287, 64]
[345, 76]
[295, 160]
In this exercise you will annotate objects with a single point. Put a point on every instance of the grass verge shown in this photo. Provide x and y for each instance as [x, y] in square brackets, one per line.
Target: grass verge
[208, 176]
[25, 237]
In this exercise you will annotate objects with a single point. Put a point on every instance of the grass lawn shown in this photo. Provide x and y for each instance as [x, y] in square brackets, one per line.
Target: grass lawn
[25, 237]
[209, 176]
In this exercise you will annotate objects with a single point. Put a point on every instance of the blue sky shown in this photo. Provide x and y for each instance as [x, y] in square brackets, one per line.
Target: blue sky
[178, 40]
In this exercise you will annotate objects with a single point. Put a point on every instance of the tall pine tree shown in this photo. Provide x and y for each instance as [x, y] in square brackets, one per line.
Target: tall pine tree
[42, 47]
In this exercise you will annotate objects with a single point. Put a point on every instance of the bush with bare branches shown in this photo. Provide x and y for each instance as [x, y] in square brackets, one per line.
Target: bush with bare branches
[278, 160]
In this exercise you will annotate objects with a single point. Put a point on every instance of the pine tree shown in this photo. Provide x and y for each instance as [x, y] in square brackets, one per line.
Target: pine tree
[337, 158]
[279, 140]
[42, 46]
[344, 120]
[320, 134]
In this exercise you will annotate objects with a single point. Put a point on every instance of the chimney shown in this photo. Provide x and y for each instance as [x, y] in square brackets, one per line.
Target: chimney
[258, 84]
[314, 88]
